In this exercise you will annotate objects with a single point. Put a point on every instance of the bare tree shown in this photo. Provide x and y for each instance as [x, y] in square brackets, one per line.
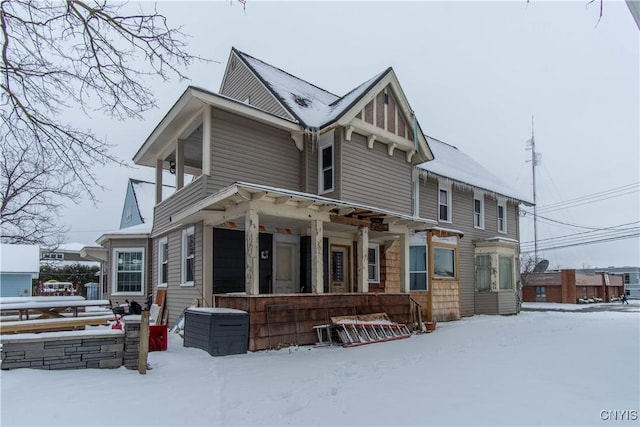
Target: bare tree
[32, 193]
[62, 55]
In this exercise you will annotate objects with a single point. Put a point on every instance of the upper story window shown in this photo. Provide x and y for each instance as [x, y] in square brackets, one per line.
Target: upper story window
[188, 256]
[627, 278]
[502, 216]
[478, 210]
[374, 263]
[128, 275]
[163, 262]
[444, 202]
[326, 164]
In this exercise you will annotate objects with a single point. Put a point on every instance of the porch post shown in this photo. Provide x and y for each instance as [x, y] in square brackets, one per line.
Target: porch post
[159, 164]
[207, 265]
[363, 259]
[206, 140]
[179, 164]
[252, 253]
[404, 262]
[317, 275]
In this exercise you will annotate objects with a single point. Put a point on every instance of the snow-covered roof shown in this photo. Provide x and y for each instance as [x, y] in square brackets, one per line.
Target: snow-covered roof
[136, 231]
[145, 194]
[453, 164]
[311, 105]
[19, 258]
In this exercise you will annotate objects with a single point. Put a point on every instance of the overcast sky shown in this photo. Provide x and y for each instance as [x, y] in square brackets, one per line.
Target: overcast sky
[474, 72]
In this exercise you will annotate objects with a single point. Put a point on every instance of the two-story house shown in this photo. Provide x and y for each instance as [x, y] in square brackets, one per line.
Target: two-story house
[307, 205]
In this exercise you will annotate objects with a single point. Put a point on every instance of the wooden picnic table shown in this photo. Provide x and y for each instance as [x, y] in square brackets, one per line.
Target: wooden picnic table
[50, 309]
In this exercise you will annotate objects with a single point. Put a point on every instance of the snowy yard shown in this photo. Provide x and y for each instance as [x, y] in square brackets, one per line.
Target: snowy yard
[537, 368]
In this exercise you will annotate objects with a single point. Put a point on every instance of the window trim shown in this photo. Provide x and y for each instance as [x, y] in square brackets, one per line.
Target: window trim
[502, 204]
[376, 263]
[480, 198]
[114, 279]
[189, 231]
[161, 242]
[446, 188]
[326, 141]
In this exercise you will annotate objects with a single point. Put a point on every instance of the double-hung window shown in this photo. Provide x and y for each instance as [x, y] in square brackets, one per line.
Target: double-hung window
[478, 210]
[502, 216]
[128, 269]
[505, 272]
[374, 263]
[483, 272]
[541, 292]
[326, 164]
[188, 256]
[418, 268]
[444, 203]
[163, 262]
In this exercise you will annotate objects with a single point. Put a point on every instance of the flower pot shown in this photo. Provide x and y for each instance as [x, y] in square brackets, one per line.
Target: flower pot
[431, 326]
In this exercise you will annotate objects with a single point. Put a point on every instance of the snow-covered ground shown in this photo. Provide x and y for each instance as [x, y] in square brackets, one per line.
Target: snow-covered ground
[537, 368]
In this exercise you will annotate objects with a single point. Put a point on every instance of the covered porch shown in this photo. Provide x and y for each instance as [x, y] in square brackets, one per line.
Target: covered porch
[277, 321]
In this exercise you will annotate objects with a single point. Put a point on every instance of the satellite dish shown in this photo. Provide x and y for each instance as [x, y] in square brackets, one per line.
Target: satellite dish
[541, 267]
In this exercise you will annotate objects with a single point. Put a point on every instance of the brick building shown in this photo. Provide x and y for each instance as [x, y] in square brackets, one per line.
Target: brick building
[567, 286]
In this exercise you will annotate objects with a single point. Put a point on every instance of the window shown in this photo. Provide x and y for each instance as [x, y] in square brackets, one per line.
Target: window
[541, 292]
[129, 271]
[444, 262]
[478, 211]
[502, 217]
[418, 268]
[505, 272]
[188, 256]
[444, 203]
[483, 272]
[374, 263]
[627, 278]
[325, 164]
[163, 262]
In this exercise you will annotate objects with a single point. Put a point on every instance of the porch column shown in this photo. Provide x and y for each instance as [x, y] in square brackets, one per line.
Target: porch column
[206, 140]
[252, 252]
[180, 164]
[159, 164]
[317, 275]
[363, 259]
[404, 263]
[207, 265]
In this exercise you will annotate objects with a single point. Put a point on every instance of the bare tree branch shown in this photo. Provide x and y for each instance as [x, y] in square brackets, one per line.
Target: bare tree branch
[62, 55]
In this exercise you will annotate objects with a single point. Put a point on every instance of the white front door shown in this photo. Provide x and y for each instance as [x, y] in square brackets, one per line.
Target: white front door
[287, 252]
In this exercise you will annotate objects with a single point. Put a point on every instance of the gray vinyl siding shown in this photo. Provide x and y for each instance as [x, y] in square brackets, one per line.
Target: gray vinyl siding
[241, 83]
[462, 219]
[147, 285]
[373, 178]
[186, 196]
[247, 151]
[179, 297]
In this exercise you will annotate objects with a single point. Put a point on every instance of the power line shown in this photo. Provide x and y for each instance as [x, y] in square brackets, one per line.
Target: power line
[587, 239]
[611, 239]
[613, 228]
[592, 198]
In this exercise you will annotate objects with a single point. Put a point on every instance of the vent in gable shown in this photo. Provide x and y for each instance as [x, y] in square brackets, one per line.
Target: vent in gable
[303, 102]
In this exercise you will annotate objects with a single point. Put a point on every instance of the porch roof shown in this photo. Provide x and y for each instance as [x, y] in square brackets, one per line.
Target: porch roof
[332, 210]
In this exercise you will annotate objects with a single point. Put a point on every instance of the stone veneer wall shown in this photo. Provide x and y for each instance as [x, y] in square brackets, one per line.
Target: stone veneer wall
[105, 348]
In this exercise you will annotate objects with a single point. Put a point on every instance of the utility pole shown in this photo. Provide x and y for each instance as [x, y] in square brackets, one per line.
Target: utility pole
[535, 161]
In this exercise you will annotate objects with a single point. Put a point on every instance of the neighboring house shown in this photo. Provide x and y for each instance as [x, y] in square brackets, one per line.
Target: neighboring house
[571, 286]
[19, 265]
[631, 278]
[306, 204]
[65, 254]
[124, 253]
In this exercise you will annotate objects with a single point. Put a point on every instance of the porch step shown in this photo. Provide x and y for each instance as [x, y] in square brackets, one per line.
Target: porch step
[360, 333]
